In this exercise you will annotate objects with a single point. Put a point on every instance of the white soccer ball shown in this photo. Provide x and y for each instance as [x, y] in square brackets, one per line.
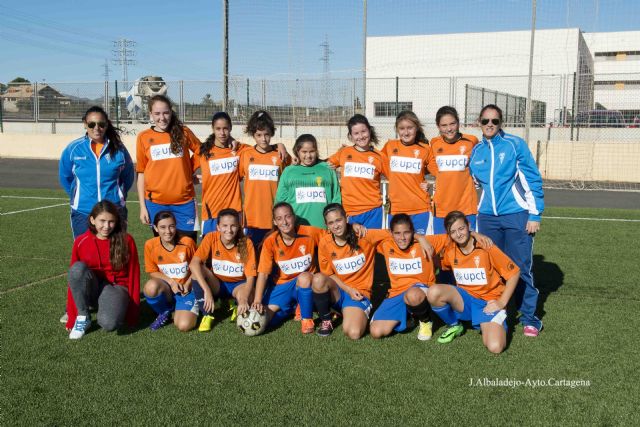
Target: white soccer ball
[252, 323]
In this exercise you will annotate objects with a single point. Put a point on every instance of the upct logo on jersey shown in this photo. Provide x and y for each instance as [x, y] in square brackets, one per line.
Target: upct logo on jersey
[227, 268]
[470, 276]
[349, 265]
[406, 165]
[263, 172]
[295, 265]
[405, 266]
[311, 195]
[163, 152]
[222, 166]
[359, 170]
[175, 271]
[451, 163]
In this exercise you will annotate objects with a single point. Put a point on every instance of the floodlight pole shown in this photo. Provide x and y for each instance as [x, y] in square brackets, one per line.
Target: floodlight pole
[527, 125]
[225, 54]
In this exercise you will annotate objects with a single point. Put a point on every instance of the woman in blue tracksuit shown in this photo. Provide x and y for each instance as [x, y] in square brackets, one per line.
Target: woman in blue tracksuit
[511, 204]
[95, 167]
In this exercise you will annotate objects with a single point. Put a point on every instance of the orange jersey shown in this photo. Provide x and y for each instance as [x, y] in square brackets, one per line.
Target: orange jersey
[405, 167]
[409, 266]
[261, 173]
[354, 268]
[220, 180]
[290, 260]
[227, 264]
[173, 264]
[360, 178]
[480, 273]
[168, 177]
[455, 190]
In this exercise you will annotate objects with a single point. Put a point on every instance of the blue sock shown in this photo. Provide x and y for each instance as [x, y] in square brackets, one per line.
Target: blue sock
[199, 294]
[159, 304]
[305, 299]
[447, 314]
[278, 318]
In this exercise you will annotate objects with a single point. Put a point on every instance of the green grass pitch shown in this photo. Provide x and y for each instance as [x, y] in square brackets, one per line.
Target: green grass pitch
[590, 294]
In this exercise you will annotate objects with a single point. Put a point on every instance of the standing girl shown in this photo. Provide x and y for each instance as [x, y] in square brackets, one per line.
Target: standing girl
[104, 272]
[95, 167]
[310, 185]
[361, 167]
[233, 267]
[166, 259]
[289, 256]
[408, 159]
[165, 170]
[260, 168]
[454, 188]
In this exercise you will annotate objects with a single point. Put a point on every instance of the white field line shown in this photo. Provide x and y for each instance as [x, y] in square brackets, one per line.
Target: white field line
[34, 197]
[34, 209]
[28, 285]
[591, 219]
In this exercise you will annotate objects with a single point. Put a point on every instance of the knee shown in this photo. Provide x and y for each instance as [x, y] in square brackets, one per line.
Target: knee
[376, 332]
[353, 333]
[414, 296]
[304, 280]
[319, 283]
[434, 295]
[184, 325]
[152, 288]
[108, 323]
[495, 347]
[77, 270]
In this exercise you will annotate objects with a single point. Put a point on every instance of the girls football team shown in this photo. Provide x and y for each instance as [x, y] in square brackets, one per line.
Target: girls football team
[286, 242]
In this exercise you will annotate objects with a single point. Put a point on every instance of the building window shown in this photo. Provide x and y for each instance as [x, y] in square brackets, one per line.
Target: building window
[617, 55]
[388, 109]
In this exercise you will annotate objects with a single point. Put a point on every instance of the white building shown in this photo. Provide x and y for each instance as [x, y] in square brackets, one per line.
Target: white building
[468, 70]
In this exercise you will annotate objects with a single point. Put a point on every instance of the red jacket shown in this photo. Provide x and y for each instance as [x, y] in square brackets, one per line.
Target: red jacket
[95, 253]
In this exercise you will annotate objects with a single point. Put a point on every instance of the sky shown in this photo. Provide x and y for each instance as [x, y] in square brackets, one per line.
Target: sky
[69, 41]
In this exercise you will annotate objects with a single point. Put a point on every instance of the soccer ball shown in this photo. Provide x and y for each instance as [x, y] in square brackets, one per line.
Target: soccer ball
[252, 323]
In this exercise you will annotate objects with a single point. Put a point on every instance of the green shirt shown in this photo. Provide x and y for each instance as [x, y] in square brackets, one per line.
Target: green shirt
[309, 189]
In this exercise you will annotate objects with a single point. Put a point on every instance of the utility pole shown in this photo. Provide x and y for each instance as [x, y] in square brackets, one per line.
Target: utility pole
[326, 52]
[527, 124]
[225, 55]
[106, 70]
[123, 49]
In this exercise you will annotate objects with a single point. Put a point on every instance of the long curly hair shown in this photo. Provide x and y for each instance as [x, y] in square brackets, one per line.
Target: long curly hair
[208, 144]
[111, 132]
[350, 237]
[421, 138]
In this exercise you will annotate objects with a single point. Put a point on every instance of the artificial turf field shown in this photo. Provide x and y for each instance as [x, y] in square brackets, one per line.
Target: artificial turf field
[583, 369]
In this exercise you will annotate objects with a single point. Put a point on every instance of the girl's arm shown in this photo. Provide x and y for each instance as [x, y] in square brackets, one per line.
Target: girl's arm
[497, 305]
[144, 214]
[257, 298]
[353, 293]
[244, 292]
[128, 174]
[65, 172]
[196, 272]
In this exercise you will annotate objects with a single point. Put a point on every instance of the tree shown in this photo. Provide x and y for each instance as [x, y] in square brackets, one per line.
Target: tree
[19, 80]
[3, 88]
[206, 100]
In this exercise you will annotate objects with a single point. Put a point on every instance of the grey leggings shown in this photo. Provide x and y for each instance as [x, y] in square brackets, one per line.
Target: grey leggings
[88, 290]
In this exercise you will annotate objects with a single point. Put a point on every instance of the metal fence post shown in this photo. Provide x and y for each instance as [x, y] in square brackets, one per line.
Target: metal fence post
[397, 90]
[1, 111]
[183, 114]
[35, 103]
[354, 98]
[263, 101]
[106, 96]
[117, 106]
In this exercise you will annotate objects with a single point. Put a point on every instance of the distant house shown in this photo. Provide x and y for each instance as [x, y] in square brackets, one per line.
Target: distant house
[24, 92]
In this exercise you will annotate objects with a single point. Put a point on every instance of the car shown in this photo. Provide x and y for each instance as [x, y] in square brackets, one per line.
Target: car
[600, 119]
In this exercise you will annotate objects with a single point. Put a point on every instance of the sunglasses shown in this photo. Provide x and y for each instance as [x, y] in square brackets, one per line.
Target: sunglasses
[485, 122]
[101, 125]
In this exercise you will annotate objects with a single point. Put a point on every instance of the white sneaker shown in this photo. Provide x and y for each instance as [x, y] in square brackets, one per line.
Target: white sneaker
[64, 318]
[83, 323]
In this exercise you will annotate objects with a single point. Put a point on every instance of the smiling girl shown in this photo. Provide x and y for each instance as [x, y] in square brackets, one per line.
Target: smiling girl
[310, 185]
[105, 272]
[165, 170]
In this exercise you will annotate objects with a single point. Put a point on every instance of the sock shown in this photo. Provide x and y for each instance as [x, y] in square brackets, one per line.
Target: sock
[199, 294]
[305, 299]
[447, 314]
[322, 302]
[278, 318]
[420, 311]
[159, 304]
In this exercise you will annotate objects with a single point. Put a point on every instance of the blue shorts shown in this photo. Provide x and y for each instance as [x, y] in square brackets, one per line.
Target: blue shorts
[438, 224]
[473, 311]
[371, 219]
[226, 289]
[187, 302]
[395, 308]
[80, 221]
[285, 296]
[209, 225]
[346, 301]
[186, 217]
[421, 222]
[256, 235]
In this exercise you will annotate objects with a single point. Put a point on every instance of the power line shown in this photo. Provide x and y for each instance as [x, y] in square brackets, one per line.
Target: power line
[123, 49]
